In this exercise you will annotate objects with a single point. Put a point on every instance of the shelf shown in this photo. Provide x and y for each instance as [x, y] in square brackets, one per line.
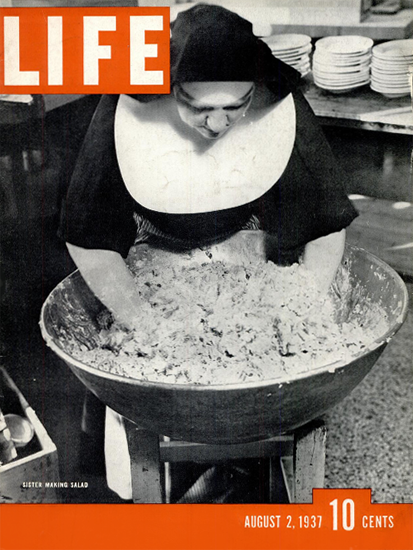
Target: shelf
[377, 27]
[362, 109]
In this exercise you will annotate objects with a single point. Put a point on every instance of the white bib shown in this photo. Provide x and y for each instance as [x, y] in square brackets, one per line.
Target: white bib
[169, 167]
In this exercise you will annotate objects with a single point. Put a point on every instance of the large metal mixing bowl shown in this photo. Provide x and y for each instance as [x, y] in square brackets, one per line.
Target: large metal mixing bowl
[230, 413]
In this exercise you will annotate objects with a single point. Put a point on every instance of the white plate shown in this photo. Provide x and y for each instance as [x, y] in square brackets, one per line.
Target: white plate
[341, 90]
[302, 68]
[399, 86]
[306, 63]
[391, 72]
[404, 81]
[392, 64]
[345, 44]
[393, 60]
[305, 48]
[292, 54]
[331, 69]
[345, 62]
[287, 41]
[330, 86]
[353, 74]
[340, 83]
[391, 76]
[340, 68]
[350, 85]
[394, 49]
[388, 84]
[340, 56]
[296, 61]
[327, 86]
[386, 88]
[283, 55]
[337, 72]
[390, 95]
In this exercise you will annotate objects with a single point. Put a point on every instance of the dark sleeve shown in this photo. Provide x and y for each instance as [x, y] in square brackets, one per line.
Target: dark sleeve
[98, 210]
[309, 201]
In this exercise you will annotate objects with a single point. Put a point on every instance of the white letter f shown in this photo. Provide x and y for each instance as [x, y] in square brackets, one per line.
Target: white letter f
[92, 52]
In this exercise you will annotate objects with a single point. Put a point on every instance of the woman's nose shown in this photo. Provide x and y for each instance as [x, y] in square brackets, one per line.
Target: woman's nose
[217, 121]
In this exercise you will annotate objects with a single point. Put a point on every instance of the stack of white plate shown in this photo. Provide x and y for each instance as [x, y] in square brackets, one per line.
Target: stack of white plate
[342, 63]
[293, 49]
[392, 67]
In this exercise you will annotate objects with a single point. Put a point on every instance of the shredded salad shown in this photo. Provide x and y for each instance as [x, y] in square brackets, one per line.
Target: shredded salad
[214, 323]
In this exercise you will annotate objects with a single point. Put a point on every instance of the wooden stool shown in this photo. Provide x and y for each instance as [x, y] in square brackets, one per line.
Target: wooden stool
[302, 455]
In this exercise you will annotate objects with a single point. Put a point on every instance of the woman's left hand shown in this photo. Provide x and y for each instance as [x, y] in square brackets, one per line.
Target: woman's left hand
[323, 257]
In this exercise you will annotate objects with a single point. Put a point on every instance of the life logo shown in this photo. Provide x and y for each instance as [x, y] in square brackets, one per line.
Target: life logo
[84, 50]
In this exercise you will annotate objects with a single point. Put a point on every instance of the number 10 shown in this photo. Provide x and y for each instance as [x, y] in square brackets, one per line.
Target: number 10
[347, 516]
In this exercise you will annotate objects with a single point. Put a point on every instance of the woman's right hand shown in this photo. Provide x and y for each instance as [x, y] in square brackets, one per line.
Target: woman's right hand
[109, 278]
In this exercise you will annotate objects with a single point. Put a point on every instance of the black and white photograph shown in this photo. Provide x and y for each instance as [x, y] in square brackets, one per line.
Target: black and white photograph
[205, 293]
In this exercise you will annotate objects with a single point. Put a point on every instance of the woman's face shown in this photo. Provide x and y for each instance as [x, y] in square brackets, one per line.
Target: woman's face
[212, 108]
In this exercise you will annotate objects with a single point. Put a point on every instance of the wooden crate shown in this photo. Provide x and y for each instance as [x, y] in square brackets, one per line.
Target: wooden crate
[34, 475]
